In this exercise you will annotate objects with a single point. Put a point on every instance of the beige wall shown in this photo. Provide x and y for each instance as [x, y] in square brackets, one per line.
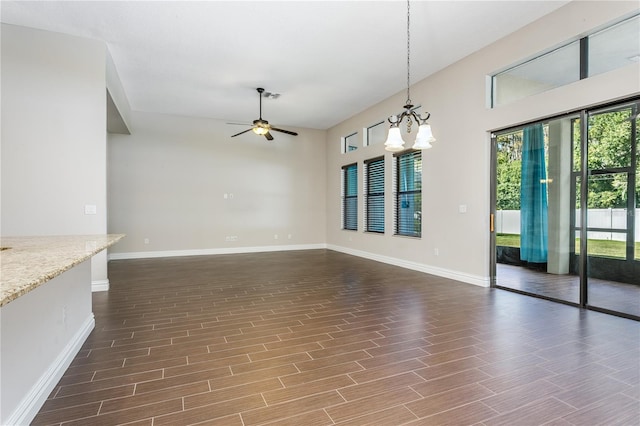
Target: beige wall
[53, 138]
[457, 170]
[167, 182]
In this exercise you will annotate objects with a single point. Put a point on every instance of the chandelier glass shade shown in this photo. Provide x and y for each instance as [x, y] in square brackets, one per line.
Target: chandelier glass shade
[424, 137]
[394, 141]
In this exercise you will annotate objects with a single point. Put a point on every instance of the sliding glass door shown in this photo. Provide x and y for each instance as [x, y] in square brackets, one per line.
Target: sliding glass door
[556, 238]
[533, 216]
[613, 237]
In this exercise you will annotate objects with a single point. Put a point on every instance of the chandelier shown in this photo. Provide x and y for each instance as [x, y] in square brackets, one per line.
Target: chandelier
[424, 138]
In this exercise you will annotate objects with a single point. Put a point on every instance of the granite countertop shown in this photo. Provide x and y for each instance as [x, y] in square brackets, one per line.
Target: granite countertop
[28, 262]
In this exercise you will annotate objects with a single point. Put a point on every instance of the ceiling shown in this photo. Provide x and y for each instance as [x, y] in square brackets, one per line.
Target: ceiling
[328, 59]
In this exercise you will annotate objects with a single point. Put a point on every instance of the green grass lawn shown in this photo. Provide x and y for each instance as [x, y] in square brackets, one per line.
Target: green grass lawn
[606, 248]
[508, 240]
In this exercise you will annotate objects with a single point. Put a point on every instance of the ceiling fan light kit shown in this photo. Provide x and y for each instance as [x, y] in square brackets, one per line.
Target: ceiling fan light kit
[259, 129]
[262, 127]
[424, 138]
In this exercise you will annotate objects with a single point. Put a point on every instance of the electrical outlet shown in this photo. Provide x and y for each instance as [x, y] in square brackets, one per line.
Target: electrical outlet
[275, 237]
[231, 238]
[146, 241]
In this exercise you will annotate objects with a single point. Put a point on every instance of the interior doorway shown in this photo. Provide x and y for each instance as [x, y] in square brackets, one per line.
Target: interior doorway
[544, 219]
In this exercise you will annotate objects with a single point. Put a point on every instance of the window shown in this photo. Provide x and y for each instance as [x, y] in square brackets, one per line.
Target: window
[614, 47]
[374, 195]
[408, 196]
[547, 71]
[350, 143]
[350, 197]
[376, 134]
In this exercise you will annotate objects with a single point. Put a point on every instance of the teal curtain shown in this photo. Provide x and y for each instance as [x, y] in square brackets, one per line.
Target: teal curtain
[533, 197]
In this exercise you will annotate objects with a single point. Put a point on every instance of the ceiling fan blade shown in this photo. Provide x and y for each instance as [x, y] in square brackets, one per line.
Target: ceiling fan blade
[268, 136]
[289, 132]
[240, 124]
[244, 131]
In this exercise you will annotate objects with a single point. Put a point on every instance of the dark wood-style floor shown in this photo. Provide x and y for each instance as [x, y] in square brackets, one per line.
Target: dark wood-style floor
[322, 338]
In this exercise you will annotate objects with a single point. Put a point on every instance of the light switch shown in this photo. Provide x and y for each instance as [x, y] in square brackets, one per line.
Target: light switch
[462, 208]
[90, 209]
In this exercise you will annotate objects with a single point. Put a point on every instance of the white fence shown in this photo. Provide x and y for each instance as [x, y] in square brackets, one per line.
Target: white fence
[508, 222]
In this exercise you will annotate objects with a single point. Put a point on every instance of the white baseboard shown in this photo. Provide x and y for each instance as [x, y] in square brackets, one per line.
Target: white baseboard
[33, 401]
[204, 252]
[99, 285]
[440, 272]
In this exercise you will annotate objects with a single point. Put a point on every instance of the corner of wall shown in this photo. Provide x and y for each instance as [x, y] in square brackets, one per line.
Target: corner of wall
[118, 108]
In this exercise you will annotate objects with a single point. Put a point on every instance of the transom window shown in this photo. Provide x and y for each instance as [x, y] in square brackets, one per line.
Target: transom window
[350, 143]
[613, 47]
[376, 134]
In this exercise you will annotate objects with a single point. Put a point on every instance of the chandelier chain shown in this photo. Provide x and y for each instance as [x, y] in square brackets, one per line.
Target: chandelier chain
[408, 52]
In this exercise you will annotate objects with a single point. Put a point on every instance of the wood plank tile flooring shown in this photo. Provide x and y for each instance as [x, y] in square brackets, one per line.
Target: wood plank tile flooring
[321, 338]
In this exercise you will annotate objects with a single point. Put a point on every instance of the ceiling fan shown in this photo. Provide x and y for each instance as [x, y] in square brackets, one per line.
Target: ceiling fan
[262, 127]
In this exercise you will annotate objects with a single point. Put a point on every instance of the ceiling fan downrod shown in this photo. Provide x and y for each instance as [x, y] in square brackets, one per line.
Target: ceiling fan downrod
[260, 91]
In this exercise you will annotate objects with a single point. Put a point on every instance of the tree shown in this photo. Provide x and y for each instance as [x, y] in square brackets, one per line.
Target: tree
[609, 147]
[509, 158]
